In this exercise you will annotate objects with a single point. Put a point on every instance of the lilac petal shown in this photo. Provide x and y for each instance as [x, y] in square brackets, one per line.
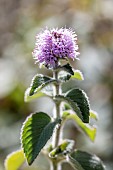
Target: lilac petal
[52, 45]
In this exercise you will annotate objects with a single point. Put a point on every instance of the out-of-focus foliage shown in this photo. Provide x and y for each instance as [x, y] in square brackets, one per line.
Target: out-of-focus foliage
[15, 160]
[19, 23]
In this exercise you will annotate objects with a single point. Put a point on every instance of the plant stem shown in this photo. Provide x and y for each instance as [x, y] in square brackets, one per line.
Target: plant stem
[55, 166]
[57, 137]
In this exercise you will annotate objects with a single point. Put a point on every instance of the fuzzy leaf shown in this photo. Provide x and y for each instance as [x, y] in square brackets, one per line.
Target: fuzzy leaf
[65, 73]
[64, 76]
[36, 131]
[80, 98]
[15, 160]
[93, 115]
[66, 107]
[85, 128]
[68, 73]
[68, 69]
[64, 148]
[78, 75]
[72, 103]
[28, 98]
[81, 160]
[38, 83]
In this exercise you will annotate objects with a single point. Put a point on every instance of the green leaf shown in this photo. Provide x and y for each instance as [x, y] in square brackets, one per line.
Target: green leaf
[15, 160]
[48, 90]
[64, 148]
[93, 115]
[64, 76]
[75, 163]
[72, 103]
[78, 75]
[67, 72]
[87, 129]
[68, 69]
[38, 83]
[36, 131]
[66, 107]
[85, 161]
[80, 98]
[28, 98]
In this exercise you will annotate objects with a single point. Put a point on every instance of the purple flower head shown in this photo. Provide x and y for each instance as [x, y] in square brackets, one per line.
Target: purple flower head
[55, 44]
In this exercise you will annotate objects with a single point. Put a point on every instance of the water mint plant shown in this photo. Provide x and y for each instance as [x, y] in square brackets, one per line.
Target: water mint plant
[53, 48]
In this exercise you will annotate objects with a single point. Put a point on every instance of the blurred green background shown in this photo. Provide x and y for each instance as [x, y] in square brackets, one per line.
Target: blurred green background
[20, 20]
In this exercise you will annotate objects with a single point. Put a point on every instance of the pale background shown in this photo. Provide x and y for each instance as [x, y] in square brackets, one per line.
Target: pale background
[20, 20]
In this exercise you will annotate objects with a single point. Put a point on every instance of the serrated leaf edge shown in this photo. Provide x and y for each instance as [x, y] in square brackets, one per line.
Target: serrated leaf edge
[75, 102]
[70, 116]
[69, 101]
[93, 156]
[58, 121]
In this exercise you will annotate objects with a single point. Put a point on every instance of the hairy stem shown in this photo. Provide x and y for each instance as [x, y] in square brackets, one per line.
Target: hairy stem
[57, 137]
[55, 166]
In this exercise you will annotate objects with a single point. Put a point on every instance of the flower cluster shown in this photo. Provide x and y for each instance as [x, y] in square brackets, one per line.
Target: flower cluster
[55, 44]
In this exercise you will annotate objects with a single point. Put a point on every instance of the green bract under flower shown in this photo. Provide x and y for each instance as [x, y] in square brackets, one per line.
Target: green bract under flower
[55, 44]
